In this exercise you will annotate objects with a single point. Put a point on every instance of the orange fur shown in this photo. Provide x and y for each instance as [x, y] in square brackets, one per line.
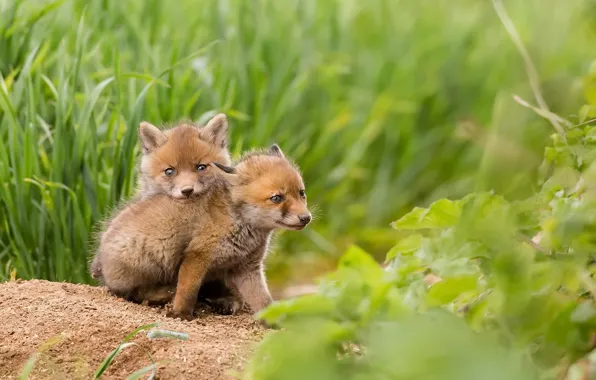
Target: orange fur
[181, 149]
[160, 243]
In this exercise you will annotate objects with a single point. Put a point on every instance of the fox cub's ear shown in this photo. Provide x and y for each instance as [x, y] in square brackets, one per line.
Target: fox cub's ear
[226, 169]
[216, 131]
[275, 150]
[151, 137]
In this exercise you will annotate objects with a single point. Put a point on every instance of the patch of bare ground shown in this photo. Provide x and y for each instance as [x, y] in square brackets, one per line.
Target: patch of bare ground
[74, 327]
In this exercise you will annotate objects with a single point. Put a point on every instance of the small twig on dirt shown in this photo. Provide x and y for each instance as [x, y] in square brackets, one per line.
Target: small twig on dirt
[529, 65]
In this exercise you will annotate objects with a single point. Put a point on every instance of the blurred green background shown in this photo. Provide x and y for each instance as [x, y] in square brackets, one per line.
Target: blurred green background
[385, 104]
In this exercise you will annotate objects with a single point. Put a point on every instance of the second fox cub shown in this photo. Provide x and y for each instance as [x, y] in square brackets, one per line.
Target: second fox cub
[159, 244]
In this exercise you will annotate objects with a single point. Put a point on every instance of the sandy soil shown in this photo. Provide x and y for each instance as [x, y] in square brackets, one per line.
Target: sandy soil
[74, 327]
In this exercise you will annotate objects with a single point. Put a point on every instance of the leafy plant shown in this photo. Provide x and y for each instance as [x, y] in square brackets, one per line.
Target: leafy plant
[123, 345]
[480, 287]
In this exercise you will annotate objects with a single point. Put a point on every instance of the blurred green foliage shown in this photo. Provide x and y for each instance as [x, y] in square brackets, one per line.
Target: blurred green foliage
[480, 288]
[384, 104]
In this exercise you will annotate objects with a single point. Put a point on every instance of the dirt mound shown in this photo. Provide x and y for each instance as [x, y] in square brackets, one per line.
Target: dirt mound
[74, 327]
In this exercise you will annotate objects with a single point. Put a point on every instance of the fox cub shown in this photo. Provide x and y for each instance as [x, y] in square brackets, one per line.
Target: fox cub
[173, 164]
[173, 159]
[161, 245]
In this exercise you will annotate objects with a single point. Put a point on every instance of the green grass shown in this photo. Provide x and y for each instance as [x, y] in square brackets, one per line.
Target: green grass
[368, 97]
[151, 369]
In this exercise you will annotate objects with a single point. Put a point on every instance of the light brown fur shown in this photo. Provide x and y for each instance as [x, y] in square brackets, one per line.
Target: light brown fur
[180, 149]
[161, 243]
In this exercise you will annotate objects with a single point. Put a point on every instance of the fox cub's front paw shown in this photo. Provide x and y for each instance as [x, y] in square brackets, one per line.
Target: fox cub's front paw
[225, 305]
[184, 315]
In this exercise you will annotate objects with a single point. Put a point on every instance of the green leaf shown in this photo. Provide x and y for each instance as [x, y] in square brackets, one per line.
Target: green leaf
[125, 344]
[409, 244]
[356, 258]
[448, 289]
[584, 312]
[586, 112]
[306, 306]
[138, 374]
[441, 214]
[28, 367]
[108, 360]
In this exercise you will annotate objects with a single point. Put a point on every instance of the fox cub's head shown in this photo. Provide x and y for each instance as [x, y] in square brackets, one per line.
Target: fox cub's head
[176, 161]
[267, 190]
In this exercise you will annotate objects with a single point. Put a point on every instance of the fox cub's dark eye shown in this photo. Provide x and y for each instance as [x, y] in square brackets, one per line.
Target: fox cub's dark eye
[201, 167]
[277, 198]
[169, 172]
[302, 193]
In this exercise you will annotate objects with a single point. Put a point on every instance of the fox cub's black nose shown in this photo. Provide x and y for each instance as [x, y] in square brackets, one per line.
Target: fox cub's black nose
[304, 219]
[187, 191]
